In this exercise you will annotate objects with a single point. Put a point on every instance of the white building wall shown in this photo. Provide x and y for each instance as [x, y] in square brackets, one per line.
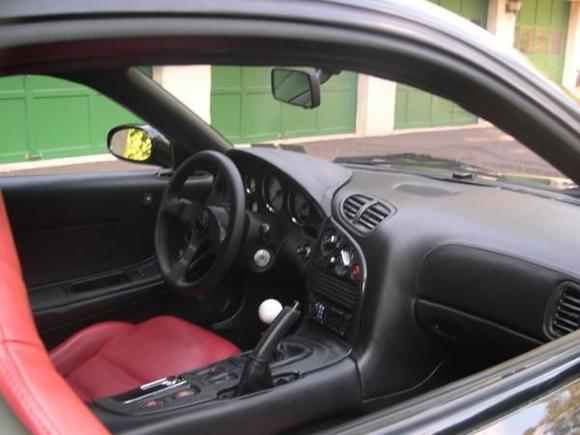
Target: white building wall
[572, 60]
[190, 84]
[375, 114]
[500, 23]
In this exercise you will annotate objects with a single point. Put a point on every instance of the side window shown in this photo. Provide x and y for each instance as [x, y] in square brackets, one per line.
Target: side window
[51, 125]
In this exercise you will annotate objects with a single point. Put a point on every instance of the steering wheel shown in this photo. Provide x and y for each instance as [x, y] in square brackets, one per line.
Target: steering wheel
[196, 241]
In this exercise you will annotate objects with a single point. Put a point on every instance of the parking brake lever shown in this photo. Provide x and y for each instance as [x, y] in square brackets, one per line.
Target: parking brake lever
[256, 375]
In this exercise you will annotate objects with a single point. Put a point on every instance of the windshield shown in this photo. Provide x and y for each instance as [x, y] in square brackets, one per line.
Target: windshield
[341, 116]
[365, 120]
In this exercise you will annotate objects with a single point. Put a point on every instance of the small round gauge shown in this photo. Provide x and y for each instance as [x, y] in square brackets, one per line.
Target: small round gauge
[273, 194]
[299, 208]
[250, 185]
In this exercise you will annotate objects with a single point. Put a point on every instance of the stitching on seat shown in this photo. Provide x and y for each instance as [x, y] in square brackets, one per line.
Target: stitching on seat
[97, 350]
[15, 378]
[123, 369]
[87, 392]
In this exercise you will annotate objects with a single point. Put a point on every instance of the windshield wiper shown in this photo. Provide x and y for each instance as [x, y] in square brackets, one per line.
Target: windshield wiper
[458, 170]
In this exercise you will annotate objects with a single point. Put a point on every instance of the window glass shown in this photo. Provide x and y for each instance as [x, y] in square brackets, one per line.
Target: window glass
[55, 126]
[51, 125]
[373, 121]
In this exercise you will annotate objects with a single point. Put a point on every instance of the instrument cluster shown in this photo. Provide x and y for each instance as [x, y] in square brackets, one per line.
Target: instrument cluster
[279, 196]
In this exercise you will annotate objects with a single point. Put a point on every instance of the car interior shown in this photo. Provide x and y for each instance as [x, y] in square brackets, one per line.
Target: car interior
[257, 289]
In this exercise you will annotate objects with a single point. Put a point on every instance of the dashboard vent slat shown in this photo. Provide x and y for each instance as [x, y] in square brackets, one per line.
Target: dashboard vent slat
[364, 213]
[566, 314]
[374, 215]
[353, 204]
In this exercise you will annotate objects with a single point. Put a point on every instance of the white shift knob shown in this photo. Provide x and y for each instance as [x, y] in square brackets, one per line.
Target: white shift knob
[268, 310]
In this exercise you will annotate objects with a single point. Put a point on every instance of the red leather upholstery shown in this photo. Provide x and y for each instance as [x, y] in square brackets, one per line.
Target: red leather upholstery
[112, 357]
[29, 383]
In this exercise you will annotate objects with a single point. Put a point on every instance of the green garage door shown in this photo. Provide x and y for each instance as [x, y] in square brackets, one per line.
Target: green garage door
[541, 29]
[43, 117]
[243, 109]
[417, 109]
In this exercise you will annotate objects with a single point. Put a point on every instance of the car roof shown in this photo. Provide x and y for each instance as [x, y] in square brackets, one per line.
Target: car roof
[420, 11]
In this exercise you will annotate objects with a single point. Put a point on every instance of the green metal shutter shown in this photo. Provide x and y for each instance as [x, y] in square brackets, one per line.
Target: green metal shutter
[541, 30]
[243, 109]
[418, 109]
[43, 117]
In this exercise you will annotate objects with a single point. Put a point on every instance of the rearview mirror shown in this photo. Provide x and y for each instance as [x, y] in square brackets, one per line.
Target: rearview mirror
[139, 144]
[296, 87]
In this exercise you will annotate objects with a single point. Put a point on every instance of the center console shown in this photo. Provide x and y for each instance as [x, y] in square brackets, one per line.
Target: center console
[336, 283]
[310, 366]
[219, 381]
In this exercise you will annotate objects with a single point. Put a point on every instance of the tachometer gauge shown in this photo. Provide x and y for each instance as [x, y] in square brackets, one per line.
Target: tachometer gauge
[299, 208]
[273, 194]
[250, 185]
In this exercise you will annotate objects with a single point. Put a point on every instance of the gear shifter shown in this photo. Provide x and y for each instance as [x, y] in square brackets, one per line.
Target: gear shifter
[256, 375]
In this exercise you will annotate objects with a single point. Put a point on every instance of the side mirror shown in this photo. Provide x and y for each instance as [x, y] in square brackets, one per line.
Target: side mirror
[296, 87]
[139, 144]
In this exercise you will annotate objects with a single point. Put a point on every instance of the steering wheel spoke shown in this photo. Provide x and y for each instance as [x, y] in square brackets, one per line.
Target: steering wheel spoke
[218, 229]
[203, 256]
[180, 268]
[218, 193]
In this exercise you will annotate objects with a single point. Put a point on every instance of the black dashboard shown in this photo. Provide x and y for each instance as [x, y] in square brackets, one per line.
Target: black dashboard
[293, 229]
[403, 277]
[437, 262]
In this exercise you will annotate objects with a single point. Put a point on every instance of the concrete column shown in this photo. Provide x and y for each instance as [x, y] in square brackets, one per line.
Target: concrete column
[501, 23]
[572, 59]
[375, 114]
[190, 84]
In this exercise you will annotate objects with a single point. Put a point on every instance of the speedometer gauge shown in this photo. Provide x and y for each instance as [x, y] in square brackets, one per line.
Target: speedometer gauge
[299, 208]
[273, 194]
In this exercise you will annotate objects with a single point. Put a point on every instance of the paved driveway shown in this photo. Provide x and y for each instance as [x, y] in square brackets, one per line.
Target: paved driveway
[484, 146]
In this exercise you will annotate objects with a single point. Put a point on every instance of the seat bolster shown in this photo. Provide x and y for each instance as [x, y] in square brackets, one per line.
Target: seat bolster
[85, 344]
[38, 395]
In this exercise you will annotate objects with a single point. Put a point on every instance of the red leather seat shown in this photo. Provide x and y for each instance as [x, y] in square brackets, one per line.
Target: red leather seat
[109, 358]
[103, 359]
[40, 398]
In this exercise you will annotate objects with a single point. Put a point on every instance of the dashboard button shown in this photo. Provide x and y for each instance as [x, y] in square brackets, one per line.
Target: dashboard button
[262, 258]
[355, 272]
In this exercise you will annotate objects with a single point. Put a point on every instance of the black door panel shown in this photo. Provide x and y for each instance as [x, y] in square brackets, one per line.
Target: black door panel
[85, 241]
[66, 253]
[61, 201]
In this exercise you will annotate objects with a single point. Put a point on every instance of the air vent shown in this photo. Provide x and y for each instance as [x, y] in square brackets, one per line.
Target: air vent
[353, 204]
[566, 314]
[373, 216]
[364, 212]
